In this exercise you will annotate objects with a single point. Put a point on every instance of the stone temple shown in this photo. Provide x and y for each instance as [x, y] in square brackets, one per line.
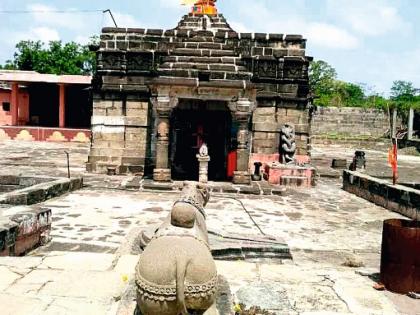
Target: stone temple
[159, 94]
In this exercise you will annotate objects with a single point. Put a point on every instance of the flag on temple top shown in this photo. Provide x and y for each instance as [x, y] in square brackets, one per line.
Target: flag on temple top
[188, 2]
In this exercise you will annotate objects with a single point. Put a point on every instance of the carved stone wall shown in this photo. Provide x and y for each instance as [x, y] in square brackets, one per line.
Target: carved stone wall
[120, 133]
[267, 122]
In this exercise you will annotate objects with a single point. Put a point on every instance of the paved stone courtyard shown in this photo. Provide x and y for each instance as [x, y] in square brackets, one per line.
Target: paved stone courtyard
[88, 267]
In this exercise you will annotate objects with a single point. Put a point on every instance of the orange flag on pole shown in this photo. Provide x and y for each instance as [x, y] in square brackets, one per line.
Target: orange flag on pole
[393, 161]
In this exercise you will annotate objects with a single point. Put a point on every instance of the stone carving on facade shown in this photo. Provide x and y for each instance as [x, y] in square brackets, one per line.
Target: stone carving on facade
[288, 144]
[266, 68]
[111, 61]
[176, 273]
[139, 62]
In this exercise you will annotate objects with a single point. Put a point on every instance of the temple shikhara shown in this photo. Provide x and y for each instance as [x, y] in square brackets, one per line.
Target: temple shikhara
[160, 94]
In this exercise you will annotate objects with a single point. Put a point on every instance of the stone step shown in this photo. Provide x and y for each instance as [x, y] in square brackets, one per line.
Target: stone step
[295, 181]
[203, 66]
[204, 52]
[191, 44]
[214, 75]
[206, 60]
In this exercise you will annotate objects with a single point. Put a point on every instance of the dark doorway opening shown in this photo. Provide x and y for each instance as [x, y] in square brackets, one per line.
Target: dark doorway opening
[195, 122]
[78, 107]
[43, 104]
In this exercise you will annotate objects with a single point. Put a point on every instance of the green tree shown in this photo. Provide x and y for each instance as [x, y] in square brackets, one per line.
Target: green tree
[321, 78]
[401, 90]
[54, 58]
[404, 96]
[331, 92]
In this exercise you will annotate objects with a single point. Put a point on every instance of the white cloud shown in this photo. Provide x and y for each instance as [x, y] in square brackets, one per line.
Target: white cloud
[239, 27]
[330, 36]
[172, 4]
[368, 18]
[45, 15]
[122, 20]
[42, 33]
[290, 21]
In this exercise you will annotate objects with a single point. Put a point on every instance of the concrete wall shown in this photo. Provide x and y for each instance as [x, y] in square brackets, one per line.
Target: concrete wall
[6, 116]
[350, 122]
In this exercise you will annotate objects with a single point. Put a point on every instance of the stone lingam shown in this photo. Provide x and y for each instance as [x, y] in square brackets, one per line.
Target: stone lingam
[176, 273]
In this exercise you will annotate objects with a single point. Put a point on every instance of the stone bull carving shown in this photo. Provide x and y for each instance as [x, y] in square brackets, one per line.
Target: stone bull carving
[176, 273]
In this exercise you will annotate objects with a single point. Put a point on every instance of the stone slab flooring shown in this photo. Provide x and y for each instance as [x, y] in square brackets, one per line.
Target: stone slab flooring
[88, 267]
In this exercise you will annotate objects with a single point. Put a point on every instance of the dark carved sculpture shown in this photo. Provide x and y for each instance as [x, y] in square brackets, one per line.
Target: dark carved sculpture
[288, 144]
[176, 273]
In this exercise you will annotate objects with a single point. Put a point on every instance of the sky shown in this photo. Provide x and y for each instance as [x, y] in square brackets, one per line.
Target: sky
[373, 42]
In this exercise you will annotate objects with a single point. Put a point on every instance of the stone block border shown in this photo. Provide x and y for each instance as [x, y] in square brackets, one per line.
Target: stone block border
[256, 188]
[24, 231]
[42, 191]
[398, 198]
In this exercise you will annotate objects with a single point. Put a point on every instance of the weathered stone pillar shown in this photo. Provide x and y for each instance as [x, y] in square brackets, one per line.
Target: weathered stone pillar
[410, 123]
[203, 168]
[242, 114]
[162, 172]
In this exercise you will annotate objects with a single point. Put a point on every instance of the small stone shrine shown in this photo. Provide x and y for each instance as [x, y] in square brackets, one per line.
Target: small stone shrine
[160, 94]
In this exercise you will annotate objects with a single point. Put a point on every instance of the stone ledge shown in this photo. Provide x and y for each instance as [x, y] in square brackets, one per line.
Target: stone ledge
[256, 188]
[397, 198]
[24, 231]
[41, 192]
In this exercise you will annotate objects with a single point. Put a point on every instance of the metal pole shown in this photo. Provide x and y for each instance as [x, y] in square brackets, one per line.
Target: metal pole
[68, 163]
[112, 16]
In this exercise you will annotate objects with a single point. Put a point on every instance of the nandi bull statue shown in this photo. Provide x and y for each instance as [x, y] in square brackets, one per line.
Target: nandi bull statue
[176, 273]
[288, 144]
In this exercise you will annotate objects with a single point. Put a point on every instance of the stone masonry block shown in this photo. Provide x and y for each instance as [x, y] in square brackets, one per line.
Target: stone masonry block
[132, 105]
[113, 137]
[136, 134]
[270, 127]
[137, 120]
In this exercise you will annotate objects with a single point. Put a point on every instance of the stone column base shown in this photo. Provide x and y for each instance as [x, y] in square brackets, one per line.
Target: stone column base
[162, 175]
[241, 178]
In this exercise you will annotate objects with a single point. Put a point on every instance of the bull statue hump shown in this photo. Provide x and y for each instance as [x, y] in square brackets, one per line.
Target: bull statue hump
[176, 273]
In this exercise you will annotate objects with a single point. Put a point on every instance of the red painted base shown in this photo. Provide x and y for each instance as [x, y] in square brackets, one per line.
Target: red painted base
[290, 175]
[44, 134]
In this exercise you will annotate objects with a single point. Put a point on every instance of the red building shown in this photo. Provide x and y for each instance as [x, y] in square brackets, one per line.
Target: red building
[44, 107]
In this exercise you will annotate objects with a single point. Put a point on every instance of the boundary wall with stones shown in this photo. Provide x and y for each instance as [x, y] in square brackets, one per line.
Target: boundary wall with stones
[24, 231]
[397, 198]
[349, 123]
[40, 190]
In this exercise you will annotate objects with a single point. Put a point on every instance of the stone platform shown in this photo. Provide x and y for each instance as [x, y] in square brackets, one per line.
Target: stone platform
[242, 247]
[290, 175]
[256, 188]
[28, 190]
[24, 231]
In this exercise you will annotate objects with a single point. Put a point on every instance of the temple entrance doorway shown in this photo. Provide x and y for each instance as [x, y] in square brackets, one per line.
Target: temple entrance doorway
[192, 123]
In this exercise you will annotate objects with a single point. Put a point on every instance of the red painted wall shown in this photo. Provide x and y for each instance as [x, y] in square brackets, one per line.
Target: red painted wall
[6, 117]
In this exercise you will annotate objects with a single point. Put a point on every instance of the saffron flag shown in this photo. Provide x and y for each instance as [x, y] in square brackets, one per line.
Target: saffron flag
[393, 158]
